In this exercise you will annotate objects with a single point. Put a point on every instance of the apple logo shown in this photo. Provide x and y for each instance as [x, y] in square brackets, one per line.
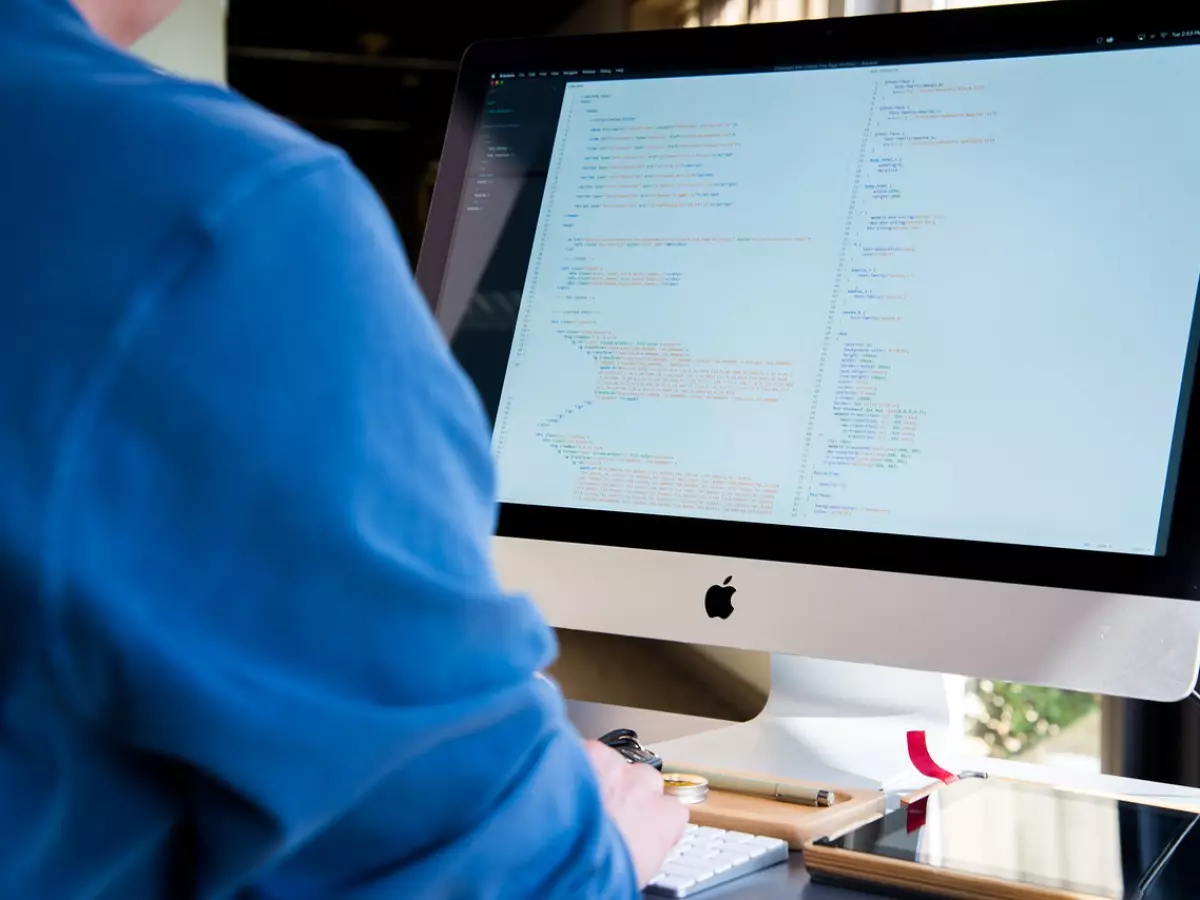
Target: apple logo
[718, 602]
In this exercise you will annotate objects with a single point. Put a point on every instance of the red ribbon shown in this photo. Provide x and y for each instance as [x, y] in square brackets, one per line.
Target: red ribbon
[918, 752]
[917, 810]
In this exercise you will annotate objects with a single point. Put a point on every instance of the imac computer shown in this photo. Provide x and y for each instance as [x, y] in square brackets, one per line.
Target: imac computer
[870, 343]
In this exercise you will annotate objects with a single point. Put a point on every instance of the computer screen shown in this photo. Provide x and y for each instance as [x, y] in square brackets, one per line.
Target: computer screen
[946, 299]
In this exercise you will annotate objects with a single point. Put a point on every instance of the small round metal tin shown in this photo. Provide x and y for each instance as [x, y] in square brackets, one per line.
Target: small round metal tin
[687, 789]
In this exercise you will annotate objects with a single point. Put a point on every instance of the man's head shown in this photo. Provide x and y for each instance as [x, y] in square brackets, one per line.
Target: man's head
[124, 21]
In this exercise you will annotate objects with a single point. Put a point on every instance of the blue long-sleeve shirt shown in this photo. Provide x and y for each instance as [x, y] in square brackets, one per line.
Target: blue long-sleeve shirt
[251, 643]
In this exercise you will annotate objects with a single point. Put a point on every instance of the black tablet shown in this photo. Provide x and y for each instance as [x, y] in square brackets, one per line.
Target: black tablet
[1000, 838]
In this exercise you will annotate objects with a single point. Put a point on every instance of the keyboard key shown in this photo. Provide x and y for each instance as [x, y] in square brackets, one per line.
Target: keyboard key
[736, 837]
[721, 864]
[670, 883]
[688, 862]
[695, 873]
[732, 858]
[769, 842]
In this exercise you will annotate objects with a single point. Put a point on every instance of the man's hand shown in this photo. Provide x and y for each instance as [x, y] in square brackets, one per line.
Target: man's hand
[650, 822]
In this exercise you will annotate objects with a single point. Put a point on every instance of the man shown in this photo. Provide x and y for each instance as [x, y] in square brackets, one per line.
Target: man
[251, 644]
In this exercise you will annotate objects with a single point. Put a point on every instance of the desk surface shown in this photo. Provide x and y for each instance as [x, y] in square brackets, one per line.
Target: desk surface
[788, 882]
[791, 881]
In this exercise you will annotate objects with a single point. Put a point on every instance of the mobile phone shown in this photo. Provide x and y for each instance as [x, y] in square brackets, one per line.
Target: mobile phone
[1000, 838]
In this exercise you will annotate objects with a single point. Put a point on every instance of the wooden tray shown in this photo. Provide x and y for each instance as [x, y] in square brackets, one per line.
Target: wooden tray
[790, 822]
[906, 877]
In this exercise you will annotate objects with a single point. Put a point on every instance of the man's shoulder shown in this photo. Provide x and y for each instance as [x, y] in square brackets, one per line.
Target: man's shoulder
[101, 129]
[153, 146]
[195, 141]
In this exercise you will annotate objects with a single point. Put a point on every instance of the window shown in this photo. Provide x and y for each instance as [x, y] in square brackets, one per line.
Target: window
[1033, 724]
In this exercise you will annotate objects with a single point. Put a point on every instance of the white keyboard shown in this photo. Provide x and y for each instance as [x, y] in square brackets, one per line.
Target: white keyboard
[707, 857]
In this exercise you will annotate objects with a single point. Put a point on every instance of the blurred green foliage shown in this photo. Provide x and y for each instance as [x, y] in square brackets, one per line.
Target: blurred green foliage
[1014, 718]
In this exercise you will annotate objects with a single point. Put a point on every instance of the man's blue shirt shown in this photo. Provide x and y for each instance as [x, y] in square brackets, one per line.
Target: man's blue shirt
[251, 643]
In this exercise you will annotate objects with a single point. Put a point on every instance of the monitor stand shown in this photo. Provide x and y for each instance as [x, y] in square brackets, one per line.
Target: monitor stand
[836, 723]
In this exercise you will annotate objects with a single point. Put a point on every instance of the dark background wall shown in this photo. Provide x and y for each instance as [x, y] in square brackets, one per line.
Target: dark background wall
[376, 77]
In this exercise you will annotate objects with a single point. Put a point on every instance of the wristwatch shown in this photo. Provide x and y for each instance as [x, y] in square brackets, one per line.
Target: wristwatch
[625, 741]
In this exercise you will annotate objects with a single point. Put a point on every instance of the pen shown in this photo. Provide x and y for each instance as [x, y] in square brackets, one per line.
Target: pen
[758, 787]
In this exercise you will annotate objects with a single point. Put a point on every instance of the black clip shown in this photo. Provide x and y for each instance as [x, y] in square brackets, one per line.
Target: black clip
[625, 741]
